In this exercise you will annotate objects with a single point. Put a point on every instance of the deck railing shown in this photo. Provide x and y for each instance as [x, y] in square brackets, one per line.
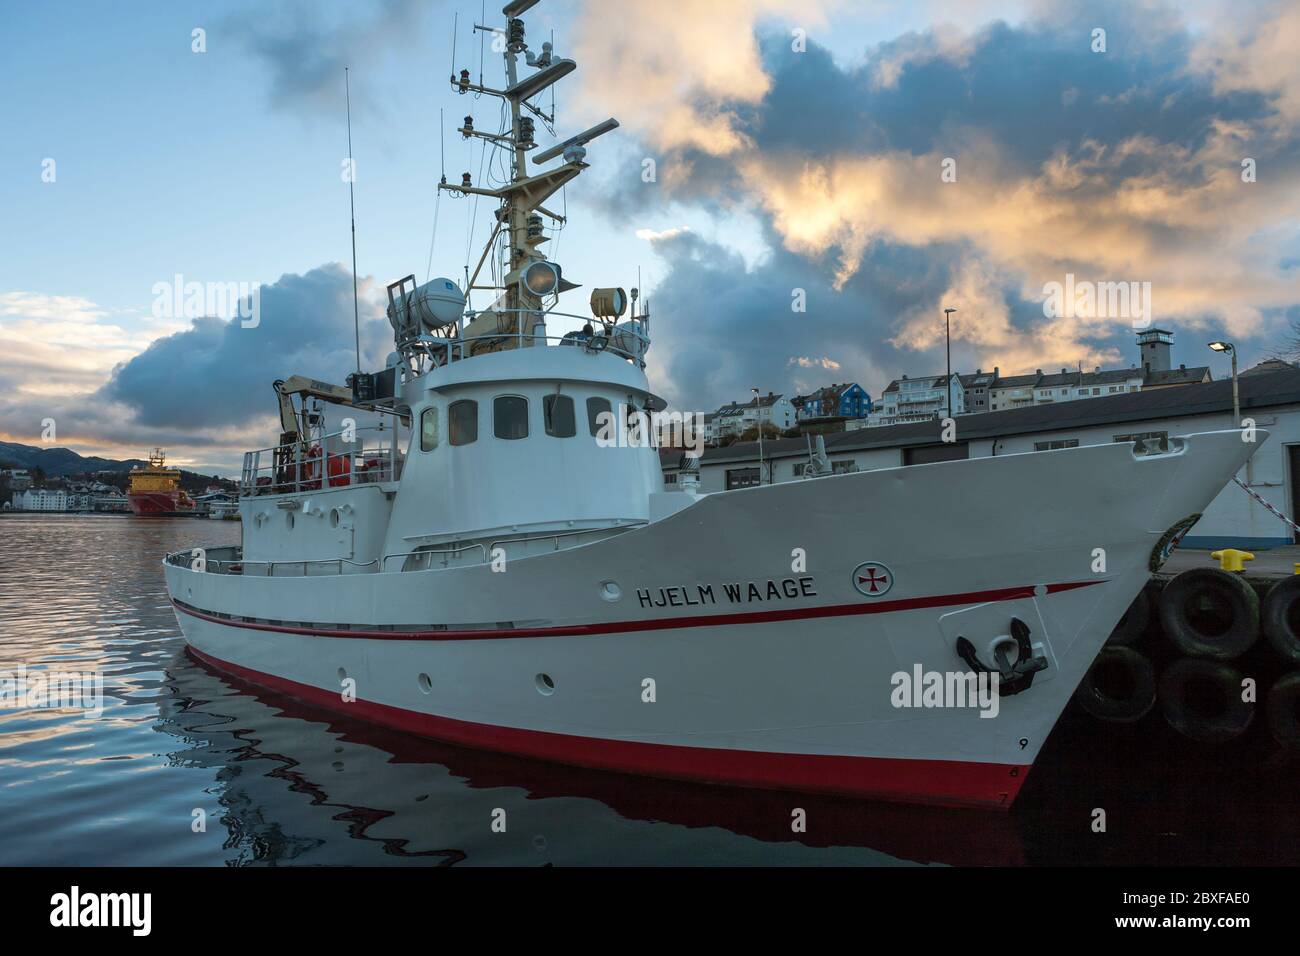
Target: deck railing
[346, 457]
[626, 340]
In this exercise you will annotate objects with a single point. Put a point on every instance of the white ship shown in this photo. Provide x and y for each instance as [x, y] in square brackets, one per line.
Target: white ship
[487, 567]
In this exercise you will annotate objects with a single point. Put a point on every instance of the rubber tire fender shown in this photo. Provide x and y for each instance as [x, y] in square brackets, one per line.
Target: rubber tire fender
[1282, 707]
[1233, 590]
[1175, 684]
[1129, 708]
[1130, 628]
[1275, 619]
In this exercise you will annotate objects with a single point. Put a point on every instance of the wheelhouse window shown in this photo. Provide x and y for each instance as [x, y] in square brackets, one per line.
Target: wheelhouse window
[510, 417]
[462, 422]
[429, 429]
[596, 407]
[557, 410]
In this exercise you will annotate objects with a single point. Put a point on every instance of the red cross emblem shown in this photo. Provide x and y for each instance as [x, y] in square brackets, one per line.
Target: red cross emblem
[872, 578]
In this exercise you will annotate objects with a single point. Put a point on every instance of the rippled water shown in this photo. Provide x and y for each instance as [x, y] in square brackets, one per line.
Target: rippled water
[281, 783]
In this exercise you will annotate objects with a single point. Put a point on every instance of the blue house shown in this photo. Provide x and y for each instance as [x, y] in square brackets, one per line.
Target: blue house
[848, 400]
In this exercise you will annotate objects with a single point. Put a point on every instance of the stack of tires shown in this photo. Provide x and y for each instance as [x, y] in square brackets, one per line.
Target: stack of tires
[1213, 621]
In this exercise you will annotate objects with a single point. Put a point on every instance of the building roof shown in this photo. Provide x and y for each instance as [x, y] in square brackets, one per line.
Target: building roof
[1177, 376]
[1016, 381]
[737, 408]
[934, 381]
[1263, 390]
[1269, 365]
[1057, 379]
[1109, 376]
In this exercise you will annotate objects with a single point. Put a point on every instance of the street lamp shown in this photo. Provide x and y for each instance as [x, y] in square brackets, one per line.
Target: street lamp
[1236, 400]
[758, 414]
[947, 331]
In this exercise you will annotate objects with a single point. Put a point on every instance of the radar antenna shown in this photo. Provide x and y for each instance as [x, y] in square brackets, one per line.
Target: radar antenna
[530, 280]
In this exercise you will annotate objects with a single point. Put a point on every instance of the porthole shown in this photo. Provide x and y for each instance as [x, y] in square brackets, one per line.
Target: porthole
[545, 686]
[288, 520]
[610, 591]
[334, 517]
[425, 683]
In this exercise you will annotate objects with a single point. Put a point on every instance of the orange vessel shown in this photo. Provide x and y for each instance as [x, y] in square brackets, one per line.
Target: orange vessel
[155, 491]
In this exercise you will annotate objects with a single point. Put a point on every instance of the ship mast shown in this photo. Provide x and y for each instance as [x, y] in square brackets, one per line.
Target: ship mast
[526, 285]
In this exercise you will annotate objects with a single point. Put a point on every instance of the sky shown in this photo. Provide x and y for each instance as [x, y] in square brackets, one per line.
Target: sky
[827, 178]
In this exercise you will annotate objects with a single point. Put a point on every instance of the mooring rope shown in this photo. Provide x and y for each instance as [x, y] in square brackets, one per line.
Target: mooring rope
[1268, 507]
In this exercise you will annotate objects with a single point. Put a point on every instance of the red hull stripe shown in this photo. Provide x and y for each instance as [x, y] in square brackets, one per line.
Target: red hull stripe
[948, 782]
[650, 624]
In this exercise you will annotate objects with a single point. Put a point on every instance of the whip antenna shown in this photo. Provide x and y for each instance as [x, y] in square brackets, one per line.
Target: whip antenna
[352, 208]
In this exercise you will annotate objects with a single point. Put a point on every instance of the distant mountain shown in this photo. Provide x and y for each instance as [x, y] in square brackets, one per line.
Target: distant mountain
[58, 462]
[62, 462]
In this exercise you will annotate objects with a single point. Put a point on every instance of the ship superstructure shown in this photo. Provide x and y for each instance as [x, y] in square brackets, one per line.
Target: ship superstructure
[483, 550]
[154, 491]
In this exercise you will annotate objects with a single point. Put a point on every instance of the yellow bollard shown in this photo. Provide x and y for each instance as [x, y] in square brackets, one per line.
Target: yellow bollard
[1230, 559]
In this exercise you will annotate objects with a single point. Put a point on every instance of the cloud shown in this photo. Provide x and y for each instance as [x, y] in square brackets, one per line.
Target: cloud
[52, 345]
[804, 361]
[742, 323]
[1122, 166]
[305, 47]
[218, 373]
[1255, 54]
[201, 389]
[677, 68]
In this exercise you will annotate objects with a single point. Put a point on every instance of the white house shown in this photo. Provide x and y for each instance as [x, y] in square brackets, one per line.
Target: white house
[735, 418]
[918, 399]
[41, 499]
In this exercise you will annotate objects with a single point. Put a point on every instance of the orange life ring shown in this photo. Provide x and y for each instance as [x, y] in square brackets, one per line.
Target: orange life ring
[309, 468]
[339, 469]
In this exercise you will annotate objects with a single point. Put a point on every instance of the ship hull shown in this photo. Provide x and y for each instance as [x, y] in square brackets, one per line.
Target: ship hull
[744, 645]
[958, 782]
[157, 504]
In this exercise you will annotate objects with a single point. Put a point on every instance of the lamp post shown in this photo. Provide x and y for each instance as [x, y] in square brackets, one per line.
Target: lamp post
[1236, 399]
[947, 334]
[758, 414]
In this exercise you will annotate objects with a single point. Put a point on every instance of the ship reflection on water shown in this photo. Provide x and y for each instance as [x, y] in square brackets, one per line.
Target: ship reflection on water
[279, 783]
[297, 781]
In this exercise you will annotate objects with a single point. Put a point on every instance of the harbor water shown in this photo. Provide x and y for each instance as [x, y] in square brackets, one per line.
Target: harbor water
[188, 767]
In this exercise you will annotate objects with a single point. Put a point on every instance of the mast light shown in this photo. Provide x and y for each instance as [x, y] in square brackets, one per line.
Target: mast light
[542, 277]
[608, 303]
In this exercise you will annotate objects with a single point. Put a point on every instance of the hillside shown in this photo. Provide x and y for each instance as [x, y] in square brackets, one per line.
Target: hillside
[63, 462]
[59, 462]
